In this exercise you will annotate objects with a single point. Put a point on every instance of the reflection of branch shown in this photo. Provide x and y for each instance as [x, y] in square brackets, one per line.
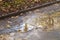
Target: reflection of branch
[50, 21]
[25, 27]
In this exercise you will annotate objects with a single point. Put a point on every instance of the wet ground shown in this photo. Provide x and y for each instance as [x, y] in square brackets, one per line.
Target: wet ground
[11, 25]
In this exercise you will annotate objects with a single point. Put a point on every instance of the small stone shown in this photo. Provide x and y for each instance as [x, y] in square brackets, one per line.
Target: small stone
[12, 17]
[1, 35]
[16, 16]
[8, 26]
[0, 0]
[9, 21]
[21, 13]
[56, 4]
[36, 0]
[12, 34]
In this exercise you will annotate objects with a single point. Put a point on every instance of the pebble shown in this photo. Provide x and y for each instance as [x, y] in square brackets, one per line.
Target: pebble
[9, 21]
[0, 0]
[8, 26]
